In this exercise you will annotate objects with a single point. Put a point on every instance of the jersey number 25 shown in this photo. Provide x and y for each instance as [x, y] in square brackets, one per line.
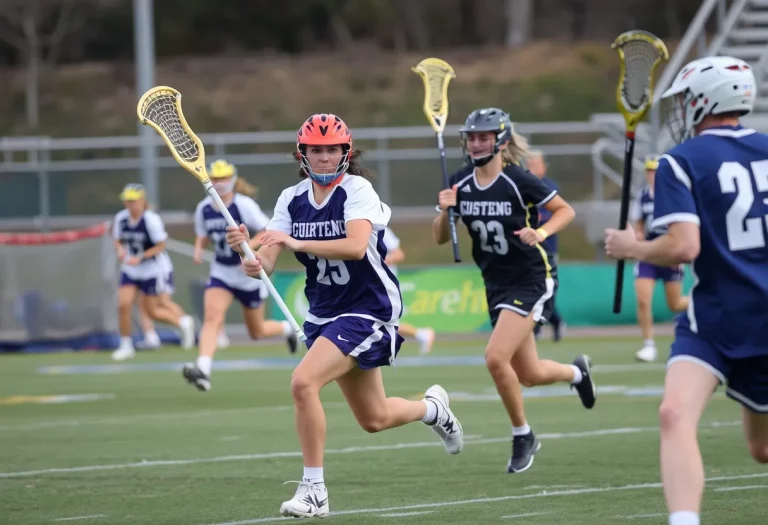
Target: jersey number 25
[743, 233]
[339, 273]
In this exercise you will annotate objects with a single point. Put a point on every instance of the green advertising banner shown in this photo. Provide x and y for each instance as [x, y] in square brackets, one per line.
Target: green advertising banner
[451, 299]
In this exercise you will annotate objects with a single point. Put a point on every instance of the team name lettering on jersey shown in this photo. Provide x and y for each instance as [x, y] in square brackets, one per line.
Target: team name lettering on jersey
[486, 208]
[219, 223]
[321, 229]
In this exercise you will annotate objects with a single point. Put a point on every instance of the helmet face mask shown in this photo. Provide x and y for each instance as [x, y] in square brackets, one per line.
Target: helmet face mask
[486, 119]
[708, 86]
[324, 130]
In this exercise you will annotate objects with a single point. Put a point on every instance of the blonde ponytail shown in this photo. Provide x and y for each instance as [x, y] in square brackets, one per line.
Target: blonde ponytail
[517, 152]
[243, 187]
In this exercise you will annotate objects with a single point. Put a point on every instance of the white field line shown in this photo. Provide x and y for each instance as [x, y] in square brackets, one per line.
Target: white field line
[542, 494]
[743, 487]
[75, 518]
[347, 450]
[525, 515]
[404, 514]
[641, 516]
[122, 420]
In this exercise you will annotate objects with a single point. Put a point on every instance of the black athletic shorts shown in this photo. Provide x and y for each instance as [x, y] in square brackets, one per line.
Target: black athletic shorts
[534, 297]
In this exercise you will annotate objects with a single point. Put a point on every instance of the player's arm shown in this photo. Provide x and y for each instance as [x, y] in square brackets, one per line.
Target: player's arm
[395, 256]
[352, 247]
[640, 230]
[155, 250]
[678, 246]
[675, 208]
[119, 248]
[562, 216]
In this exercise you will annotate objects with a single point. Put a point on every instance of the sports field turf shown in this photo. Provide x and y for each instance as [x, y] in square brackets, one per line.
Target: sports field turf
[151, 449]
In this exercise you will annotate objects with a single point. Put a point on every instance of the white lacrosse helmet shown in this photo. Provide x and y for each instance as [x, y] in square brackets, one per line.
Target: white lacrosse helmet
[708, 86]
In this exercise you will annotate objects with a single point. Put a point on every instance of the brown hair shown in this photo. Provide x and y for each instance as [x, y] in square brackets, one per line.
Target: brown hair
[244, 187]
[355, 165]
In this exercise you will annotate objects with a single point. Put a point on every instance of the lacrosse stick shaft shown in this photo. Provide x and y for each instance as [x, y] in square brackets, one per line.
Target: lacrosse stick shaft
[251, 256]
[451, 211]
[626, 184]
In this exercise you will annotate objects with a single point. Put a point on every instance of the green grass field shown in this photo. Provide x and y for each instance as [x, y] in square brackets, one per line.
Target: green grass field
[151, 449]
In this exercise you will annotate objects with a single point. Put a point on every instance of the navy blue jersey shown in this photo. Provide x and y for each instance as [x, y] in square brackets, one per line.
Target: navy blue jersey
[642, 211]
[334, 288]
[719, 180]
[550, 243]
[210, 223]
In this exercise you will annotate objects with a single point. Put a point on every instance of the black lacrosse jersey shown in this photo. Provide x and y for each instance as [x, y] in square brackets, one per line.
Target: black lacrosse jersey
[493, 214]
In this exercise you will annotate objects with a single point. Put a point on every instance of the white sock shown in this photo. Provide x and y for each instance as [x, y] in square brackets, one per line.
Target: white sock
[521, 431]
[313, 475]
[430, 418]
[126, 342]
[684, 518]
[186, 321]
[649, 342]
[287, 330]
[205, 363]
[577, 375]
[152, 337]
[422, 334]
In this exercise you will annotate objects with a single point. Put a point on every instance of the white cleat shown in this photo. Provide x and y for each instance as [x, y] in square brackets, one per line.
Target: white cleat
[447, 426]
[426, 338]
[123, 353]
[310, 501]
[647, 354]
[187, 327]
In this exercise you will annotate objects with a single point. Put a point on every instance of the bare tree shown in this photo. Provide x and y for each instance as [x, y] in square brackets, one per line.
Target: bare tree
[37, 29]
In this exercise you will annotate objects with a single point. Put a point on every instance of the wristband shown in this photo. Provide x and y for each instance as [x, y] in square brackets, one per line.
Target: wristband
[543, 233]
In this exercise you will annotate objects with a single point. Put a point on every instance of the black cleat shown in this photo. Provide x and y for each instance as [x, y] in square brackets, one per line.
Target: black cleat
[195, 376]
[558, 330]
[586, 388]
[524, 448]
[293, 343]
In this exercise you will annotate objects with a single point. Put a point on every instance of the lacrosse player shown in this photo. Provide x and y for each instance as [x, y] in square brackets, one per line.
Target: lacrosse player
[646, 274]
[710, 193]
[495, 198]
[538, 166]
[334, 222]
[227, 281]
[139, 238]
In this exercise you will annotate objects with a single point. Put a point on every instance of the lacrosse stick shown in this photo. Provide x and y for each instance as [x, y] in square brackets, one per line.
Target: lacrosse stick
[436, 74]
[639, 52]
[160, 108]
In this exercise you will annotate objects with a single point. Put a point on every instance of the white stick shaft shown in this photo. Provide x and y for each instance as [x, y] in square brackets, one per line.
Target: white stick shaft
[250, 255]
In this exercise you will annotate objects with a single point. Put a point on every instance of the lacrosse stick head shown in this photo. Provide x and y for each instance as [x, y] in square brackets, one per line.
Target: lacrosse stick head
[160, 108]
[639, 52]
[436, 75]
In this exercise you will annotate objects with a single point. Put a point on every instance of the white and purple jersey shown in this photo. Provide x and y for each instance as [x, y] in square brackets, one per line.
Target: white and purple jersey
[336, 288]
[137, 237]
[209, 222]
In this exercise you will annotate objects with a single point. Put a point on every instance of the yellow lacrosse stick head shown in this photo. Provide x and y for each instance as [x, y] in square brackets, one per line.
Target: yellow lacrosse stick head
[436, 75]
[160, 108]
[640, 52]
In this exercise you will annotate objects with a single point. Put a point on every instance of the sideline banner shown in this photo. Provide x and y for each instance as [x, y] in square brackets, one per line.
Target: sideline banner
[451, 299]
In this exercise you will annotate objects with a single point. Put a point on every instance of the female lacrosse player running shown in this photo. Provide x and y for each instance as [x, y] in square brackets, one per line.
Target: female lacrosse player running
[710, 194]
[334, 221]
[139, 237]
[646, 274]
[395, 255]
[495, 202]
[227, 281]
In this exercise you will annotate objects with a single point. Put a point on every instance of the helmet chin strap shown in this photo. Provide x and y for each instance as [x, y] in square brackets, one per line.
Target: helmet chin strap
[481, 161]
